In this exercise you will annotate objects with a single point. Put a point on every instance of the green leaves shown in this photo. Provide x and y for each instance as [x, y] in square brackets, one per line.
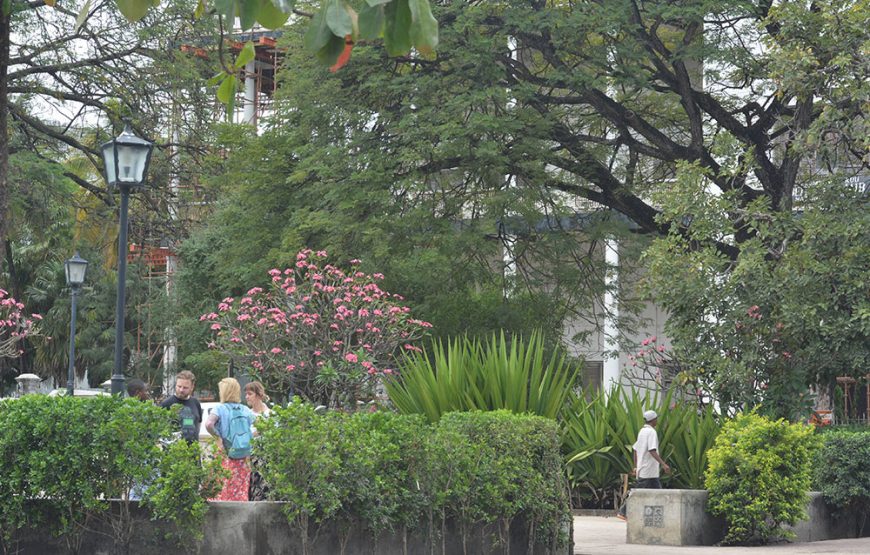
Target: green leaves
[246, 55]
[106, 447]
[318, 34]
[842, 473]
[387, 470]
[227, 89]
[338, 18]
[272, 16]
[226, 8]
[134, 10]
[335, 27]
[228, 83]
[424, 27]
[371, 22]
[397, 29]
[759, 475]
[471, 375]
[597, 435]
[248, 11]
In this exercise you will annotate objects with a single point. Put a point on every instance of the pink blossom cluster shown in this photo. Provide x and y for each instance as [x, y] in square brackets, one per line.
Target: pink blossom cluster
[654, 361]
[649, 355]
[14, 325]
[319, 331]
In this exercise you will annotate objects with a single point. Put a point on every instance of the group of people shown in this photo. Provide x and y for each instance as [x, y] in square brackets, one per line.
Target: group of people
[231, 422]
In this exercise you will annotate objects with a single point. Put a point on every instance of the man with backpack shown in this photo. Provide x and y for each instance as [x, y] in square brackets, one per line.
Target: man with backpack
[232, 422]
[190, 415]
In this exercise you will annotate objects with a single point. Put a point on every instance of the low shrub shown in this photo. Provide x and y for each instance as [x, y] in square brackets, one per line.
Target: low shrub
[842, 473]
[394, 472]
[172, 495]
[75, 454]
[759, 477]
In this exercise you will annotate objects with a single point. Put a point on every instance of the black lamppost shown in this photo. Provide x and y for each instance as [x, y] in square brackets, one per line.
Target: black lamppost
[126, 158]
[75, 268]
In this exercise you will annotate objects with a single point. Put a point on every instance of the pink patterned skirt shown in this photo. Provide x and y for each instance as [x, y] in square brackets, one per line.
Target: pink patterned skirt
[236, 486]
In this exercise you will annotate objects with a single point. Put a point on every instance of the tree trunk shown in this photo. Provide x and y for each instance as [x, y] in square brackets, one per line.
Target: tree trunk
[4, 131]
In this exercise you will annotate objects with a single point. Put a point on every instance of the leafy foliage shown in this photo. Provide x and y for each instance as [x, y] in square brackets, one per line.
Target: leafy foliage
[77, 453]
[386, 471]
[788, 313]
[598, 434]
[470, 374]
[332, 32]
[170, 496]
[841, 471]
[759, 476]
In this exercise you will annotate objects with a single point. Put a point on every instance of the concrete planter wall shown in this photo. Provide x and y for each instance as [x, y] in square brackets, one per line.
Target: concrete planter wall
[680, 517]
[261, 528]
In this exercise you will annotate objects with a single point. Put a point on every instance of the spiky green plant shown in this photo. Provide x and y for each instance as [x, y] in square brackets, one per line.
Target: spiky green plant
[598, 434]
[468, 374]
[686, 433]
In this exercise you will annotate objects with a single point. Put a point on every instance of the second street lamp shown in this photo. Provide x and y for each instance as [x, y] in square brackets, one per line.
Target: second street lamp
[75, 269]
[126, 159]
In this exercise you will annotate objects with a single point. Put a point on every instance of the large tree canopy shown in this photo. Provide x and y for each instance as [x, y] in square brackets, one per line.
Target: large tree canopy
[698, 121]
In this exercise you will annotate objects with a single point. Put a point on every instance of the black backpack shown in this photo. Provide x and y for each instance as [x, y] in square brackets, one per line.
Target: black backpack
[187, 418]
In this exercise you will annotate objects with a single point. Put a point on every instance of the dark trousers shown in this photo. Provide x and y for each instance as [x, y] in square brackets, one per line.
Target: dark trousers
[641, 483]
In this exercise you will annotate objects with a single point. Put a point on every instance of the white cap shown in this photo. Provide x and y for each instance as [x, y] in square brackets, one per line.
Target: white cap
[650, 415]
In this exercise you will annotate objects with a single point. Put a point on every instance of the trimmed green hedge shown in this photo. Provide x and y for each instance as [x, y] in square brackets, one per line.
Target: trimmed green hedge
[76, 453]
[387, 471]
[842, 473]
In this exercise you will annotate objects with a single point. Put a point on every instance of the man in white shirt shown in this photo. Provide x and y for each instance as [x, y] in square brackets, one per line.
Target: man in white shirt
[647, 461]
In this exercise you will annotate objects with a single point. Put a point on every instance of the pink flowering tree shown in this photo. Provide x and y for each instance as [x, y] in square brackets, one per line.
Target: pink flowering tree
[320, 332]
[659, 367]
[15, 326]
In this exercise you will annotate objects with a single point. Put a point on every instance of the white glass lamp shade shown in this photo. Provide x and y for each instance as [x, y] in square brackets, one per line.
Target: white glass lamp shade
[126, 159]
[76, 268]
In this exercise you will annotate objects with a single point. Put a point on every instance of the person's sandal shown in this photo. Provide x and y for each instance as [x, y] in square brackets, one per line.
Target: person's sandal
[621, 517]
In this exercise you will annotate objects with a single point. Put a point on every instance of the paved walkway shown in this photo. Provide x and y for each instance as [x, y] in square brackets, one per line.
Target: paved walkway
[595, 535]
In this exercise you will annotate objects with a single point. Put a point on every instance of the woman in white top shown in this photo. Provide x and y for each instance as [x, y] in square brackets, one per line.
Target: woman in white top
[255, 397]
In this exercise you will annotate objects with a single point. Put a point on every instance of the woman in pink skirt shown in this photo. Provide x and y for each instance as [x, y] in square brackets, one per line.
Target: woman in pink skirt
[230, 421]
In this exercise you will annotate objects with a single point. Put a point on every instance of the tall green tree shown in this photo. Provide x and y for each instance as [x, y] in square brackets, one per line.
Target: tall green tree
[536, 111]
[729, 130]
[66, 70]
[72, 71]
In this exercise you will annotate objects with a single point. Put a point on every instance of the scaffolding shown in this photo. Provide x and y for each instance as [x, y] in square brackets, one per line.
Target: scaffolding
[152, 248]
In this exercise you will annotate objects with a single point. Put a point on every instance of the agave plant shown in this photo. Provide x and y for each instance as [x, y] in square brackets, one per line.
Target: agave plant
[598, 434]
[686, 433]
[466, 374]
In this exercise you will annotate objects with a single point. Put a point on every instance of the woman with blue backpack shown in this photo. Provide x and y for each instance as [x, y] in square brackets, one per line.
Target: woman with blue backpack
[231, 421]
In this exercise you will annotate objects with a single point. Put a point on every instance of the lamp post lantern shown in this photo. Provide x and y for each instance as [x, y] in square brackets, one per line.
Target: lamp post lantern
[75, 270]
[126, 158]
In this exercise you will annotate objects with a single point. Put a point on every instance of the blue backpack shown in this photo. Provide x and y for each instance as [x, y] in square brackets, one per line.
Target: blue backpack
[237, 442]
